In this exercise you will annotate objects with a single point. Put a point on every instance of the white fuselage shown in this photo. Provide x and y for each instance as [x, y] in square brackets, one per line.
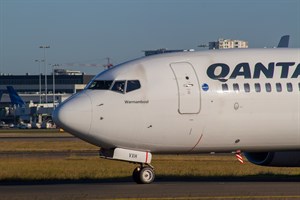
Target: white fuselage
[194, 102]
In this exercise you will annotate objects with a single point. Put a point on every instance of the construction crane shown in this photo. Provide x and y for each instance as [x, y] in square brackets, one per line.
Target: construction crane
[109, 64]
[80, 64]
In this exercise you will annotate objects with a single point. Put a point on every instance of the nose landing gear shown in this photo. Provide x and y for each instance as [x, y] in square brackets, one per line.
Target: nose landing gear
[143, 174]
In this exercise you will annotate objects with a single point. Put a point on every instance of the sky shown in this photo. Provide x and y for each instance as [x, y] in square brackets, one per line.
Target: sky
[88, 31]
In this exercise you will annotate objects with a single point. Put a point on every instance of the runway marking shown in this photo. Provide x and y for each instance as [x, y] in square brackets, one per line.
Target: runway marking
[215, 197]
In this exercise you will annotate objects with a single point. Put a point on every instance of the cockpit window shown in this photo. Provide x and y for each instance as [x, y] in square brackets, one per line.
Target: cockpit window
[100, 85]
[119, 86]
[133, 85]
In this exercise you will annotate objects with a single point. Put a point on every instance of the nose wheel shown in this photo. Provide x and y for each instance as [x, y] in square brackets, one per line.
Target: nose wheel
[143, 175]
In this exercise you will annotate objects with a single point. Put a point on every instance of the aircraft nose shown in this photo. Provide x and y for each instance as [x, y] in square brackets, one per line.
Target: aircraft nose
[74, 115]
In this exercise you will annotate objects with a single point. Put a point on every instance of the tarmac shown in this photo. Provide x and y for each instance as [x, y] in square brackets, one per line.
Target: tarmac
[157, 190]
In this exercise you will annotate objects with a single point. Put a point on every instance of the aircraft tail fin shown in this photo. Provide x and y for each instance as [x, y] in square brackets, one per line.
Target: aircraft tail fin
[14, 96]
[284, 41]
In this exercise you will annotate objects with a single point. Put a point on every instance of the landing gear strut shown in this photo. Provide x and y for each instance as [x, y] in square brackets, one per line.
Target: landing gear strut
[143, 174]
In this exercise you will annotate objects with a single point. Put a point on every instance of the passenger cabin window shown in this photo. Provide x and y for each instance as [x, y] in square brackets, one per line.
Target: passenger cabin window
[257, 87]
[236, 87]
[119, 86]
[225, 87]
[289, 87]
[133, 85]
[100, 85]
[268, 87]
[278, 87]
[247, 87]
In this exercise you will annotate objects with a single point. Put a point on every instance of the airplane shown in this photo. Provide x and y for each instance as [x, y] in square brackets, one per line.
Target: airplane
[221, 101]
[14, 97]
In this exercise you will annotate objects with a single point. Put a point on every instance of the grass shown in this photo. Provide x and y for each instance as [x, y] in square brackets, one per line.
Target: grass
[167, 167]
[215, 165]
[17, 146]
[60, 169]
[33, 133]
[42, 145]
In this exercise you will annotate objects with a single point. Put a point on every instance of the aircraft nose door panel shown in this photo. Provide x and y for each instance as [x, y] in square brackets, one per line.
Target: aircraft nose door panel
[188, 88]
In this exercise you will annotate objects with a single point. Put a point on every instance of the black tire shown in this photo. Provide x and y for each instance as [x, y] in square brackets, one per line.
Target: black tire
[146, 175]
[136, 175]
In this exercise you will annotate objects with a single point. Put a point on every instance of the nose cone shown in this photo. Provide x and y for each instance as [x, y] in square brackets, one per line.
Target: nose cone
[74, 115]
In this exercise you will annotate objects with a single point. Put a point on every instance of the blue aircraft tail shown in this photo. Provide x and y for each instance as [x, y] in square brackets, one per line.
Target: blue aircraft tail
[14, 97]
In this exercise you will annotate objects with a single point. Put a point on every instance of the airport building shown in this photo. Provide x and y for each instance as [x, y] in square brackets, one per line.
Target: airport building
[64, 83]
[227, 44]
[32, 90]
[164, 50]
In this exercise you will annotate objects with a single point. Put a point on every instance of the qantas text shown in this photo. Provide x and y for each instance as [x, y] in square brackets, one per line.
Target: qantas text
[221, 71]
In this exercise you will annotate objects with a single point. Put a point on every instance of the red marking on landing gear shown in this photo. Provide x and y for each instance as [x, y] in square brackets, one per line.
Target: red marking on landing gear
[146, 156]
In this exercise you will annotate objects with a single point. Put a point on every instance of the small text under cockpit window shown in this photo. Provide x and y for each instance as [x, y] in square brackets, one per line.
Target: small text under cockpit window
[100, 85]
